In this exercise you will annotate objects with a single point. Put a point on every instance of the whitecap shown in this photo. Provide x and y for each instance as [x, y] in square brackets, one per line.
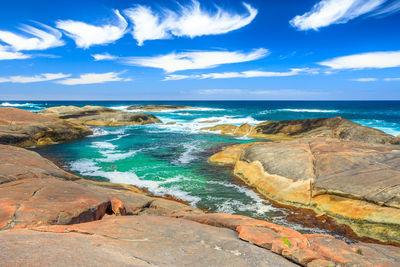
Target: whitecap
[7, 104]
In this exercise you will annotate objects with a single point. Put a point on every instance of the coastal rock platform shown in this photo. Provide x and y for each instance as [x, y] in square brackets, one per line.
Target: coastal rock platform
[354, 182]
[25, 128]
[99, 116]
[64, 220]
[321, 127]
[158, 107]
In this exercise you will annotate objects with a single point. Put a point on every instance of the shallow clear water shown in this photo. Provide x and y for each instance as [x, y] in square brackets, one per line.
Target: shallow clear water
[172, 159]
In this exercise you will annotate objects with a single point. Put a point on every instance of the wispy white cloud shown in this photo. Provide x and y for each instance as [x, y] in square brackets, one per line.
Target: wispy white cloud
[377, 60]
[34, 38]
[93, 78]
[6, 54]
[86, 35]
[389, 9]
[243, 74]
[190, 21]
[392, 79]
[104, 56]
[195, 60]
[32, 79]
[328, 12]
[364, 80]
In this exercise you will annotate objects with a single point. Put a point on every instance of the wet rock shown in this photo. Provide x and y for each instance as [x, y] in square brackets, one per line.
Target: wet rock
[24, 128]
[99, 116]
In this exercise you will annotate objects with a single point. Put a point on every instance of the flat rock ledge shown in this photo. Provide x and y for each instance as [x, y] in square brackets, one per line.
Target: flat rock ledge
[62, 220]
[293, 129]
[24, 128]
[99, 116]
[158, 107]
[356, 183]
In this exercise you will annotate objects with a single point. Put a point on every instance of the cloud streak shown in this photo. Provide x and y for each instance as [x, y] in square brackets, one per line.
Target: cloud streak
[328, 12]
[189, 21]
[32, 79]
[364, 80]
[94, 78]
[243, 74]
[86, 35]
[6, 54]
[37, 39]
[195, 60]
[373, 60]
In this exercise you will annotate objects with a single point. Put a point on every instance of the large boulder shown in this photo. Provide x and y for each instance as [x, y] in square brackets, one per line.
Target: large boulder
[158, 107]
[99, 116]
[24, 128]
[325, 127]
[344, 179]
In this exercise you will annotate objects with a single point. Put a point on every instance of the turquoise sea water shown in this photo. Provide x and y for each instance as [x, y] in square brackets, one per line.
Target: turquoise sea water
[172, 159]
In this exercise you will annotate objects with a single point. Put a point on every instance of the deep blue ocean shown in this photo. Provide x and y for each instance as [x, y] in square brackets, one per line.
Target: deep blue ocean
[172, 159]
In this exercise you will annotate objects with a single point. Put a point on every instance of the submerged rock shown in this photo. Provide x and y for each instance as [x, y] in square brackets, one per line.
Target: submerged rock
[344, 179]
[24, 128]
[157, 107]
[99, 116]
[325, 127]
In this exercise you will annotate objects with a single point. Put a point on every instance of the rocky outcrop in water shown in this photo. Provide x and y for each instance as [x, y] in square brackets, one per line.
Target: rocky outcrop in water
[24, 128]
[292, 129]
[99, 116]
[157, 107]
[89, 223]
[356, 183]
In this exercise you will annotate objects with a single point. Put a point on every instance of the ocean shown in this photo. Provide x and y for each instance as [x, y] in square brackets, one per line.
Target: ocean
[171, 160]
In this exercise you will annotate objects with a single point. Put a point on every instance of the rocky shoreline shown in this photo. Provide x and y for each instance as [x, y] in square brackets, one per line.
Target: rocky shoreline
[356, 183]
[84, 222]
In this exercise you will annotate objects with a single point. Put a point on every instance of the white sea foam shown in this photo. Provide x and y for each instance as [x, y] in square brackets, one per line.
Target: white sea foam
[103, 145]
[88, 167]
[258, 205]
[189, 154]
[102, 132]
[7, 104]
[310, 110]
[387, 127]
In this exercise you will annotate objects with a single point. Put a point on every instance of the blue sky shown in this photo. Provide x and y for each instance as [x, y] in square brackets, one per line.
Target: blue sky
[205, 50]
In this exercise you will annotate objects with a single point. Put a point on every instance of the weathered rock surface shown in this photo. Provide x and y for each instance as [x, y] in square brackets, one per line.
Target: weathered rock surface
[99, 116]
[18, 163]
[55, 222]
[24, 128]
[292, 129]
[344, 179]
[157, 107]
[134, 241]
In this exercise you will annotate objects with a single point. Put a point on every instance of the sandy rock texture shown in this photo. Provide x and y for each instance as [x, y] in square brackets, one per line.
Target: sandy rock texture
[324, 127]
[62, 220]
[150, 108]
[99, 116]
[357, 183]
[25, 128]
